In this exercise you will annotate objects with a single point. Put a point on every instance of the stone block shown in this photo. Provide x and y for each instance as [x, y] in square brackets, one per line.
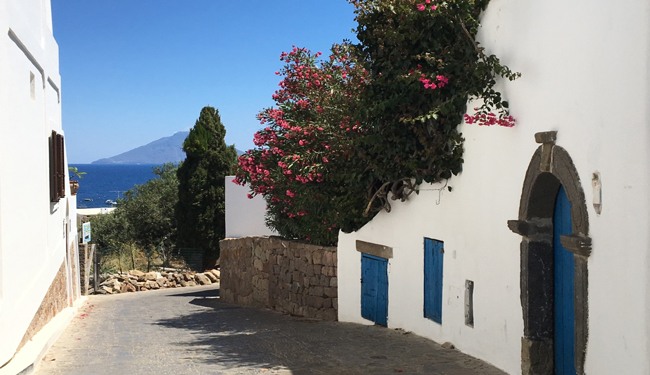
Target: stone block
[211, 276]
[136, 273]
[152, 276]
[328, 259]
[317, 258]
[330, 292]
[127, 288]
[258, 265]
[202, 279]
[323, 280]
[316, 291]
[334, 282]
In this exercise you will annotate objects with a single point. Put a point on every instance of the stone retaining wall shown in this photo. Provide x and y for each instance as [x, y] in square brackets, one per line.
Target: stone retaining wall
[287, 276]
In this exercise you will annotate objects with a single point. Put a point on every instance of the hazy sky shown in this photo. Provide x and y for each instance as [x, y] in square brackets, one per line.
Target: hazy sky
[133, 71]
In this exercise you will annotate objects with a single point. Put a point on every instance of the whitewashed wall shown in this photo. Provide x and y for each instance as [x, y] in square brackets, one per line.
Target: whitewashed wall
[244, 217]
[585, 74]
[32, 231]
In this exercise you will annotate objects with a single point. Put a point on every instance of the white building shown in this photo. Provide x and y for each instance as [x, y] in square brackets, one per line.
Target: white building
[583, 111]
[38, 235]
[244, 217]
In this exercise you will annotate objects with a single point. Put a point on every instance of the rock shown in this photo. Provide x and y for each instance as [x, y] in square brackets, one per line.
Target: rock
[108, 281]
[117, 286]
[216, 273]
[128, 288]
[153, 276]
[211, 276]
[107, 289]
[202, 279]
[162, 282]
[136, 280]
[448, 345]
[136, 273]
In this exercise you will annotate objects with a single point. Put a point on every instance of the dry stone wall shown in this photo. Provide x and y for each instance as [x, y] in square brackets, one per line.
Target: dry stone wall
[287, 276]
[138, 281]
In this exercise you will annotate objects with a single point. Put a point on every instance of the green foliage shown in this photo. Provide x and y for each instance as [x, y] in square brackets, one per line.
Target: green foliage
[424, 65]
[374, 121]
[200, 211]
[144, 219]
[74, 171]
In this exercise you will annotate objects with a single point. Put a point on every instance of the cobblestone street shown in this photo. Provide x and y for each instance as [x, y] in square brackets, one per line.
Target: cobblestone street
[189, 331]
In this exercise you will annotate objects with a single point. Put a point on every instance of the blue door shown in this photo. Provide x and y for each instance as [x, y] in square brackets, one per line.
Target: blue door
[374, 289]
[433, 261]
[563, 289]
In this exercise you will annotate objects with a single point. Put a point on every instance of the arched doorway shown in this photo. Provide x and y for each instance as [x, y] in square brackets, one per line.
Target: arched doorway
[553, 223]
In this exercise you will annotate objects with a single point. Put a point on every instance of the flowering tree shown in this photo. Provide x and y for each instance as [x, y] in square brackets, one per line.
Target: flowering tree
[376, 119]
[300, 162]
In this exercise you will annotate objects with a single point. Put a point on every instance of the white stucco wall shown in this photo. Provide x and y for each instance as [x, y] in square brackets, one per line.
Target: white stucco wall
[244, 216]
[585, 74]
[32, 231]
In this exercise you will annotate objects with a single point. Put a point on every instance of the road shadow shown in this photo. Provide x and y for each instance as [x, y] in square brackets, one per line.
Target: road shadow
[241, 339]
[236, 337]
[207, 293]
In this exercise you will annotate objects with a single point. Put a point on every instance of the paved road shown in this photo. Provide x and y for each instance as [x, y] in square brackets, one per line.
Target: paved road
[190, 331]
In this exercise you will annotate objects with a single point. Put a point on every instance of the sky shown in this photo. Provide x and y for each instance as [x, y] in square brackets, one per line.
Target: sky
[134, 71]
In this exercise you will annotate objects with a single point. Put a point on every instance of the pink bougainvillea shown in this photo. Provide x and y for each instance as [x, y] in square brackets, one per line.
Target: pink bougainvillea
[307, 136]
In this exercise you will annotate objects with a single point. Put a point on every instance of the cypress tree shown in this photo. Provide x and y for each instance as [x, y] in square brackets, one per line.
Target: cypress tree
[200, 212]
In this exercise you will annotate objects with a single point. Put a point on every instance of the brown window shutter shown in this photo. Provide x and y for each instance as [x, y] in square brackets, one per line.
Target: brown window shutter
[53, 185]
[61, 165]
[57, 167]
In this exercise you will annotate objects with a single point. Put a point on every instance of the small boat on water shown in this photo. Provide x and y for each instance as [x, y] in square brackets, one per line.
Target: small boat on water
[111, 202]
[88, 199]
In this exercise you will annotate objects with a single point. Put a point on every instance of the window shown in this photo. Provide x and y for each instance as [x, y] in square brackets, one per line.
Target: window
[433, 262]
[57, 167]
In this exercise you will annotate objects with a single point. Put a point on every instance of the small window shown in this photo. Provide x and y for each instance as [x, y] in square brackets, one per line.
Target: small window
[433, 261]
[57, 167]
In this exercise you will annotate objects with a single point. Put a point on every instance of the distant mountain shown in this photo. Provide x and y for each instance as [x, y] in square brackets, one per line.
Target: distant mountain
[164, 150]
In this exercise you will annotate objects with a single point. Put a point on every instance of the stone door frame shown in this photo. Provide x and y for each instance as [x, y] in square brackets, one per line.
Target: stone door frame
[550, 167]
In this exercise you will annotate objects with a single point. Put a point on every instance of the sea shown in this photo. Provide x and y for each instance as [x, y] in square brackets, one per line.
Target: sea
[106, 183]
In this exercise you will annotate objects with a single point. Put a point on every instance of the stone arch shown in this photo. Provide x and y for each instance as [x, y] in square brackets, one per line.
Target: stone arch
[550, 167]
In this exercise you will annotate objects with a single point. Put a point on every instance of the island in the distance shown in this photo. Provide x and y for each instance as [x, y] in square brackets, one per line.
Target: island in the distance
[164, 150]
[161, 151]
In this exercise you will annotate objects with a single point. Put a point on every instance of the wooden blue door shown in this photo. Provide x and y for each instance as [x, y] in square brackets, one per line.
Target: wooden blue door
[374, 289]
[433, 260]
[563, 289]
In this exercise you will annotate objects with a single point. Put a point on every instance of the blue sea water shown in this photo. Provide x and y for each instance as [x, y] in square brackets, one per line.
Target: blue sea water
[104, 182]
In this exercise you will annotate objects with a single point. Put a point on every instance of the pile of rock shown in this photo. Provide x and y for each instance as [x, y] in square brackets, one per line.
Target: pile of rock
[136, 281]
